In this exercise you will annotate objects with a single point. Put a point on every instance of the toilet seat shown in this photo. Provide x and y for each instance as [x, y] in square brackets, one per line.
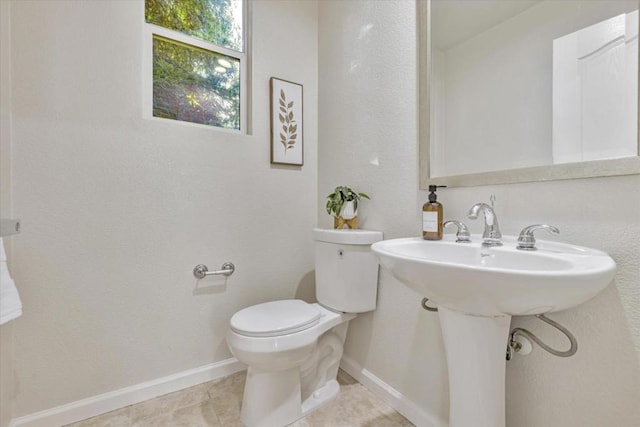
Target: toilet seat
[275, 318]
[279, 352]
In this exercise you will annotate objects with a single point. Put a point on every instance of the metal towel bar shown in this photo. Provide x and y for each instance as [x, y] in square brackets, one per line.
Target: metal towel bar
[201, 271]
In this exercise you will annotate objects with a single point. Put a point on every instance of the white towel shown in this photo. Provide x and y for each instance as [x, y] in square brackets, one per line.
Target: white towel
[10, 304]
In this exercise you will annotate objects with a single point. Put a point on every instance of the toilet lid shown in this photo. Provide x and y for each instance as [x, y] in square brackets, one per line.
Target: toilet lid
[275, 318]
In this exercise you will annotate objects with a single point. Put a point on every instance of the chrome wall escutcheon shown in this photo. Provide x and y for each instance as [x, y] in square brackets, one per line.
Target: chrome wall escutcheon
[514, 346]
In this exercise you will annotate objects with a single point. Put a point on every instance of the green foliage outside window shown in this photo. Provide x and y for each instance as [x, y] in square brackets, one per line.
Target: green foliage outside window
[190, 83]
[210, 20]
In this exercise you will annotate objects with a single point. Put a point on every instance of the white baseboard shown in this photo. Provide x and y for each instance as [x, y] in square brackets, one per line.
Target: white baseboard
[409, 409]
[100, 404]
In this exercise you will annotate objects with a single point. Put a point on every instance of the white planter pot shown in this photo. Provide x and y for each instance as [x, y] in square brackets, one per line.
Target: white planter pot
[348, 210]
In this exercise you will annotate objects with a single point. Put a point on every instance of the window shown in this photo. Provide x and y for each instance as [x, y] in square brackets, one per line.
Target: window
[196, 63]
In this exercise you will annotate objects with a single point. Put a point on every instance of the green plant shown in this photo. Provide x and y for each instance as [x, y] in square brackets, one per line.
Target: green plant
[340, 195]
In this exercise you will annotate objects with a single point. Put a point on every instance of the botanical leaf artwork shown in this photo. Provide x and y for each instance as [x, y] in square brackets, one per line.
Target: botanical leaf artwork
[289, 131]
[287, 122]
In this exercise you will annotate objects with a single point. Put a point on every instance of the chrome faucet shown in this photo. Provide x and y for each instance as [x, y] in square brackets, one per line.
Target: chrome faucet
[491, 235]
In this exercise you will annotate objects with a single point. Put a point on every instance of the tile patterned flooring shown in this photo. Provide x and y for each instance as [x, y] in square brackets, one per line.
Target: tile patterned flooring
[217, 404]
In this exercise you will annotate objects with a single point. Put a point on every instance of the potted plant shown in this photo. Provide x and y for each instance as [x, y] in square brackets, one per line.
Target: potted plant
[343, 205]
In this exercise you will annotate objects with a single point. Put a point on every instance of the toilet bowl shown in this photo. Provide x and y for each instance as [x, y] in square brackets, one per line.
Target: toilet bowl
[293, 348]
[285, 374]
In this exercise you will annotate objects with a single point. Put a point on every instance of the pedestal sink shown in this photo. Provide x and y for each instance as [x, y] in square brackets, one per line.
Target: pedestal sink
[477, 290]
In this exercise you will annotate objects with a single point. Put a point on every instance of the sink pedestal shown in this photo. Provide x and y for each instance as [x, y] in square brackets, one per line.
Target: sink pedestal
[475, 347]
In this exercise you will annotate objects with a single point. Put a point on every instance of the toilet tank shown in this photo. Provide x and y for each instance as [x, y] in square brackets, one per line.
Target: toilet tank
[346, 269]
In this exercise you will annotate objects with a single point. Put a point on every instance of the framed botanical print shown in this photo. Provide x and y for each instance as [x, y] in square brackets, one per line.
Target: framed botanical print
[286, 122]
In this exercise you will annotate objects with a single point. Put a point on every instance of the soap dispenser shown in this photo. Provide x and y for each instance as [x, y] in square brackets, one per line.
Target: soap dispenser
[432, 214]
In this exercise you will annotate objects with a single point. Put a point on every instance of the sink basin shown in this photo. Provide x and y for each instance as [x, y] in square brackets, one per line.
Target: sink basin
[472, 279]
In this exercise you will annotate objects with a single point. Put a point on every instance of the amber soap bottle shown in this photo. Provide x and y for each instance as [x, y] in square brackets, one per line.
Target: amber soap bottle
[432, 214]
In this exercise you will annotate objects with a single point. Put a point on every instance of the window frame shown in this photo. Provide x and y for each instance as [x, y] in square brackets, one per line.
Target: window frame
[149, 30]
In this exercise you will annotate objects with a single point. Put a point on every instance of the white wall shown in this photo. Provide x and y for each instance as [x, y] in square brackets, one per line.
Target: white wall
[6, 331]
[368, 139]
[117, 210]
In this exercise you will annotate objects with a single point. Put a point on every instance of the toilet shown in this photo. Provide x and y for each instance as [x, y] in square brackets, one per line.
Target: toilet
[293, 348]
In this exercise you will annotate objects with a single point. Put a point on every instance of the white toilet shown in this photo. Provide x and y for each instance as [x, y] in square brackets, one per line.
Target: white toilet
[293, 348]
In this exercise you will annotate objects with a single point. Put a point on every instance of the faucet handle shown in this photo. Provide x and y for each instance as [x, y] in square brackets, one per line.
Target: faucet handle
[462, 235]
[526, 240]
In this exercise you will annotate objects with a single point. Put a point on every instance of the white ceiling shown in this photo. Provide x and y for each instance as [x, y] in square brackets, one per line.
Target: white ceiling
[454, 21]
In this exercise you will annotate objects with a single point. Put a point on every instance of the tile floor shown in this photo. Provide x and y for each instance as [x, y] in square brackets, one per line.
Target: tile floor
[217, 404]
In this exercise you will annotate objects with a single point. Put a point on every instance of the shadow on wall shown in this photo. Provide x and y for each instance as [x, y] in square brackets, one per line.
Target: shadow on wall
[306, 290]
[210, 285]
[427, 351]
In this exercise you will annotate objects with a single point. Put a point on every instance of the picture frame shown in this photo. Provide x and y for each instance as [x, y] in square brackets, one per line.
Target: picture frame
[287, 124]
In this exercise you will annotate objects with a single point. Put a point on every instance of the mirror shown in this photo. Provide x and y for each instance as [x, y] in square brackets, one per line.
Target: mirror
[529, 90]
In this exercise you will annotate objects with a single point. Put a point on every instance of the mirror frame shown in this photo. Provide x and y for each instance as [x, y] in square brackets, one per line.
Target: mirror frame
[588, 169]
